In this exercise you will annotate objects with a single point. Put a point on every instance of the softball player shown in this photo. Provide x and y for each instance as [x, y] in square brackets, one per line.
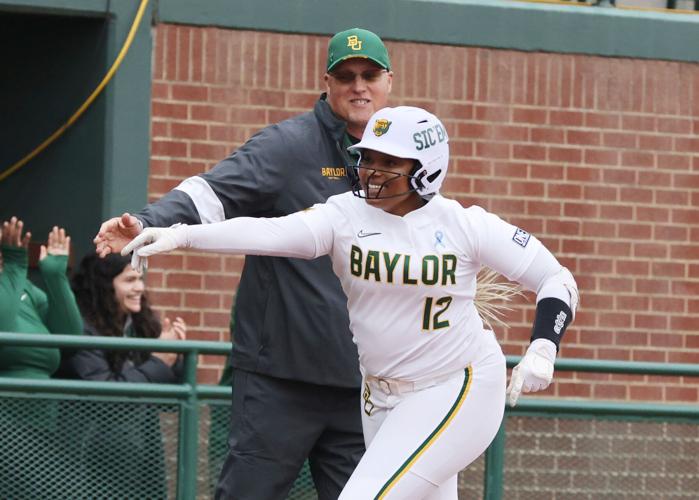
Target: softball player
[407, 258]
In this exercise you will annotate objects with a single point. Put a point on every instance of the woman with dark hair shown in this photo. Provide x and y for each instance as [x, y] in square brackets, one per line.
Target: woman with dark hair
[112, 299]
[123, 445]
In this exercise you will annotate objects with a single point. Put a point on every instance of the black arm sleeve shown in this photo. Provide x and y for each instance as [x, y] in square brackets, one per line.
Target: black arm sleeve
[552, 318]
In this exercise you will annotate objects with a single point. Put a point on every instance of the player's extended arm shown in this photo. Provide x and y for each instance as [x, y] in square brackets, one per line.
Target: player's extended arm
[287, 236]
[557, 299]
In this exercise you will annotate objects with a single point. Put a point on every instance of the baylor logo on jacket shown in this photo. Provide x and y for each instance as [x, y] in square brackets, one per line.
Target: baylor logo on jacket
[389, 267]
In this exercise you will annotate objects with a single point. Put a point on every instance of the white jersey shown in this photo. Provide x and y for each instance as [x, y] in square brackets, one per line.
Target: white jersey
[411, 281]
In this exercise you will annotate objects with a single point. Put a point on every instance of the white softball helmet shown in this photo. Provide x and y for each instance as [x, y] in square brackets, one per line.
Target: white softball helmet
[408, 132]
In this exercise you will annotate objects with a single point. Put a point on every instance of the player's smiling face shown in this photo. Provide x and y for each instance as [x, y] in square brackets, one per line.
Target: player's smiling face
[384, 179]
[357, 88]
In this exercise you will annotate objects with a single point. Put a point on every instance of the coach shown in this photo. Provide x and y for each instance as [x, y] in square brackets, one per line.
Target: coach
[296, 374]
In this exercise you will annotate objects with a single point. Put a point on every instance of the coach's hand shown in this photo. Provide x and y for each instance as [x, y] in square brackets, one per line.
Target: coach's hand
[115, 233]
[535, 371]
[154, 240]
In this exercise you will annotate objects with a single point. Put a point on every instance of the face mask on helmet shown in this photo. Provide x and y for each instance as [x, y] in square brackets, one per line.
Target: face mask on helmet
[406, 132]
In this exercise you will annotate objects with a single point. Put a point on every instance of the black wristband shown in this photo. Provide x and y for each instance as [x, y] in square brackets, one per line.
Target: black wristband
[552, 318]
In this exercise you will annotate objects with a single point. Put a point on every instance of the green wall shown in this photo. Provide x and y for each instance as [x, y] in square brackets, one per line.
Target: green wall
[487, 23]
[56, 55]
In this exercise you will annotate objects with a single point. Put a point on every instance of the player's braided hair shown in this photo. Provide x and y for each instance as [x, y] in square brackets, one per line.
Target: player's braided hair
[493, 295]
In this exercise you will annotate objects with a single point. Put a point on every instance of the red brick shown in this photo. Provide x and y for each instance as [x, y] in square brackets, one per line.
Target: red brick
[684, 323]
[609, 391]
[216, 319]
[583, 174]
[681, 394]
[671, 197]
[562, 154]
[598, 229]
[615, 320]
[652, 214]
[595, 266]
[683, 144]
[202, 300]
[646, 393]
[666, 233]
[650, 250]
[189, 281]
[620, 140]
[529, 115]
[583, 138]
[650, 322]
[666, 340]
[493, 150]
[162, 109]
[566, 118]
[601, 157]
[644, 355]
[615, 285]
[631, 302]
[608, 194]
[581, 210]
[632, 267]
[631, 338]
[188, 131]
[168, 148]
[635, 231]
[547, 135]
[535, 189]
[675, 162]
[566, 227]
[635, 195]
[546, 172]
[183, 92]
[667, 304]
[653, 286]
[655, 143]
[637, 159]
[684, 252]
[638, 122]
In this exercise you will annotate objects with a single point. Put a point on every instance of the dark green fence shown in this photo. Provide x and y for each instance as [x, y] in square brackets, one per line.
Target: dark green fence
[128, 440]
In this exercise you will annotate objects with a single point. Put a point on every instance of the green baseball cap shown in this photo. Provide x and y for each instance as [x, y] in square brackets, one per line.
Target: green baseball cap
[357, 42]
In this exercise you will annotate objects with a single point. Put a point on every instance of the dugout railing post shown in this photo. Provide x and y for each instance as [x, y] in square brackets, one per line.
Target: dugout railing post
[187, 451]
[495, 466]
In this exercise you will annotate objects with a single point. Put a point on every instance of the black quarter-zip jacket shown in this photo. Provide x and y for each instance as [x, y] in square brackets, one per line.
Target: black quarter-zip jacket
[290, 315]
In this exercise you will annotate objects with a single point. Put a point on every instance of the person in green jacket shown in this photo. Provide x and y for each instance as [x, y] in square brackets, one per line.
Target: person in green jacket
[25, 308]
[30, 438]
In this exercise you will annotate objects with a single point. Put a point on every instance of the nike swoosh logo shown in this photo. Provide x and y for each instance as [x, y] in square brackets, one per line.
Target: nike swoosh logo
[362, 234]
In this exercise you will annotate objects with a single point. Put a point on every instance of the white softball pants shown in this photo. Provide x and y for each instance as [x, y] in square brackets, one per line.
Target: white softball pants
[419, 436]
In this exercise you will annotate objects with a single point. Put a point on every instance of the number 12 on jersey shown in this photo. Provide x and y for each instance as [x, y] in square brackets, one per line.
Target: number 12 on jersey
[431, 316]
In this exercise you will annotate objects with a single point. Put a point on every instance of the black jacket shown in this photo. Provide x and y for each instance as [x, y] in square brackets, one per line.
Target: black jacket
[92, 364]
[290, 315]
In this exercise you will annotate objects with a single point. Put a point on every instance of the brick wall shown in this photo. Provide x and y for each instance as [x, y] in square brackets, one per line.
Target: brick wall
[599, 157]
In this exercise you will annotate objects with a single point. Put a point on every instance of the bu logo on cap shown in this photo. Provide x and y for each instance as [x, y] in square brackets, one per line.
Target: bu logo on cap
[354, 43]
[381, 127]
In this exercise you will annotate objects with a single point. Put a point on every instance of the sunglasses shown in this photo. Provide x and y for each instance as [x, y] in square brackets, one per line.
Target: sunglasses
[369, 76]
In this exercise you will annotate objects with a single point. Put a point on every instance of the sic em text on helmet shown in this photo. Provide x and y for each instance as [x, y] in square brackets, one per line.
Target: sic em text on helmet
[408, 132]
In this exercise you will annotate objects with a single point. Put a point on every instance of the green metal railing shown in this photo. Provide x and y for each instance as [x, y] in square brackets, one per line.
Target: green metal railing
[189, 396]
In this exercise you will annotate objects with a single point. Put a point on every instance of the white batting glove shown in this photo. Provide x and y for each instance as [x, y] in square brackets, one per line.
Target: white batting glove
[155, 240]
[535, 371]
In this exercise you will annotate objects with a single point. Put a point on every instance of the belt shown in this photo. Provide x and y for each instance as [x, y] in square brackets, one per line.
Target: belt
[397, 386]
